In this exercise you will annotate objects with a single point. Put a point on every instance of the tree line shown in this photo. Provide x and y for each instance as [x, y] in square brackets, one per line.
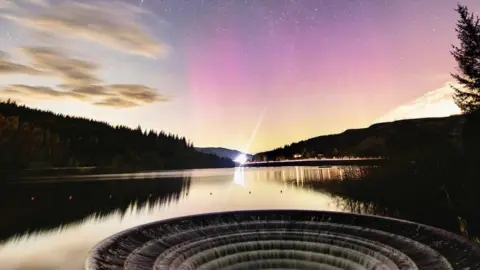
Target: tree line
[406, 139]
[31, 138]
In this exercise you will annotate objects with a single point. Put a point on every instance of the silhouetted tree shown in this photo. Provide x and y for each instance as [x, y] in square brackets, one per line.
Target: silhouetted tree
[468, 60]
[32, 138]
[467, 56]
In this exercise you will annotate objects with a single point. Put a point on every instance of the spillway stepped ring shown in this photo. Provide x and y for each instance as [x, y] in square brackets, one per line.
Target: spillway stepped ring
[284, 239]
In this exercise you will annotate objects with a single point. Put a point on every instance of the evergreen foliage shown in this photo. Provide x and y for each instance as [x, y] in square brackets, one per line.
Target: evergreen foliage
[31, 138]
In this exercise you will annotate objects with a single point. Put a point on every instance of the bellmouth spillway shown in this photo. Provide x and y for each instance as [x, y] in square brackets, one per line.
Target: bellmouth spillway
[284, 239]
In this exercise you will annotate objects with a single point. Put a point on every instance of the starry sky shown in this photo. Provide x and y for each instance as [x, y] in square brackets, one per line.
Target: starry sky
[245, 74]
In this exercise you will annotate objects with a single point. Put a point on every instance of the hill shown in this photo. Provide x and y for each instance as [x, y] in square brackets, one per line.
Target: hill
[222, 152]
[400, 138]
[31, 138]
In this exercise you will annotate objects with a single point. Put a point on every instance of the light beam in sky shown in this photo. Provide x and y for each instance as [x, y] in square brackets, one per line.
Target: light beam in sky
[255, 129]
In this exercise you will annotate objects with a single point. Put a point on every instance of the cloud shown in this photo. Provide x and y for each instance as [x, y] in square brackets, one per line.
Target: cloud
[19, 5]
[10, 68]
[34, 91]
[8, 5]
[78, 81]
[89, 90]
[134, 93]
[437, 103]
[116, 102]
[137, 93]
[43, 3]
[114, 96]
[71, 70]
[113, 25]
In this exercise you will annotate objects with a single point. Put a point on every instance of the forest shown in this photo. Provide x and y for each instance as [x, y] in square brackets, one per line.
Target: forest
[36, 139]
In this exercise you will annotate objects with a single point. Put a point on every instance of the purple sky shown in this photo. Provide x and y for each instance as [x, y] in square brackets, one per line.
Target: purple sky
[276, 71]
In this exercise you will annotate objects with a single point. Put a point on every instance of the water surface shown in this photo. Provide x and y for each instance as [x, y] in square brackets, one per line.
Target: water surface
[53, 223]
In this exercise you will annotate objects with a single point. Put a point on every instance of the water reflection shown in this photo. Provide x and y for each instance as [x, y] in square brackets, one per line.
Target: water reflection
[41, 206]
[301, 175]
[436, 214]
[56, 222]
[239, 176]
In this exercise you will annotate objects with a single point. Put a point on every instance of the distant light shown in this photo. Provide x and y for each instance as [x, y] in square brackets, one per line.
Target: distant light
[241, 159]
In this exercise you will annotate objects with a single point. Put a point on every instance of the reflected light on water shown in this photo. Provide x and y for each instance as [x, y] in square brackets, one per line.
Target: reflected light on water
[239, 177]
[302, 175]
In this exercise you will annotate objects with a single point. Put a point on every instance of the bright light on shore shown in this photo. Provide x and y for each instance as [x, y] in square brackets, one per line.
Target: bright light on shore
[241, 159]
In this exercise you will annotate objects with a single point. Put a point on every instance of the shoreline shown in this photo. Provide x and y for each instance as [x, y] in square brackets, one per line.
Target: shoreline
[317, 162]
[32, 175]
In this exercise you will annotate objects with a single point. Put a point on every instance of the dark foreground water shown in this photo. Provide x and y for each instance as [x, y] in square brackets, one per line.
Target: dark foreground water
[52, 224]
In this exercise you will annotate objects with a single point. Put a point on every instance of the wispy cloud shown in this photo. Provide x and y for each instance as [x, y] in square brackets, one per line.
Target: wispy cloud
[116, 102]
[35, 91]
[88, 90]
[8, 5]
[115, 25]
[8, 67]
[437, 103]
[43, 3]
[72, 71]
[137, 93]
[99, 95]
[78, 81]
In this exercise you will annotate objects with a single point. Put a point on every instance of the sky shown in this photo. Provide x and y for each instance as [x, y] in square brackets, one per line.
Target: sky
[250, 75]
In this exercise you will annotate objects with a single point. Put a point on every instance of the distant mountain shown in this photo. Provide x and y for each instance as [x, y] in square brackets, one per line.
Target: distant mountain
[399, 138]
[222, 152]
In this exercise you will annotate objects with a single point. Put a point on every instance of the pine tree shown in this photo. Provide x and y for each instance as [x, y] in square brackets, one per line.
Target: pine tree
[467, 56]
